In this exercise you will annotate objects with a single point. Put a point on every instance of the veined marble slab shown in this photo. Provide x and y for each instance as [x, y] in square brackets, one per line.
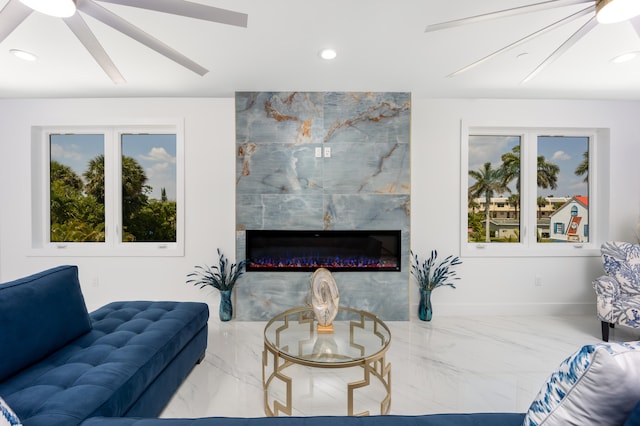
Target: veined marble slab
[282, 184]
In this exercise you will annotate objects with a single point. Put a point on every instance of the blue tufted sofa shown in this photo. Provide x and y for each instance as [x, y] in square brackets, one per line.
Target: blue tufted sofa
[60, 365]
[118, 366]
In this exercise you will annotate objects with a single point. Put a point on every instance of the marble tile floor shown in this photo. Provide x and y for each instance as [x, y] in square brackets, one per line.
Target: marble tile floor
[451, 364]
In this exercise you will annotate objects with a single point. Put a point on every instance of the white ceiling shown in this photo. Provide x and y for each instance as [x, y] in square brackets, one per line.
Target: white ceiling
[381, 44]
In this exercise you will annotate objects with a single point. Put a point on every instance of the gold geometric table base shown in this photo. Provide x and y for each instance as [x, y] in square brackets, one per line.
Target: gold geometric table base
[377, 368]
[276, 358]
[383, 373]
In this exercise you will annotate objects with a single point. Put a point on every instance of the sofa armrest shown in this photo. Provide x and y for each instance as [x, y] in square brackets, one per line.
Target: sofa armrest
[606, 286]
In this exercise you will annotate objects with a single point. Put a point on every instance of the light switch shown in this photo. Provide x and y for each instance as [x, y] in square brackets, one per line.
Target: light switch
[318, 152]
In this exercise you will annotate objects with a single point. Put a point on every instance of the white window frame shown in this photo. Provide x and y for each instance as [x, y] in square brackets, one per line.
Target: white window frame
[41, 244]
[599, 141]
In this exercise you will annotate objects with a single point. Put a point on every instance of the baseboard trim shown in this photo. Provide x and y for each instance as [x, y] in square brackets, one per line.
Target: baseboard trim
[512, 309]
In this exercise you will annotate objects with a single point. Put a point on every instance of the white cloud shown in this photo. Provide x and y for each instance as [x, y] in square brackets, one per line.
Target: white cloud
[560, 156]
[489, 149]
[159, 154]
[67, 152]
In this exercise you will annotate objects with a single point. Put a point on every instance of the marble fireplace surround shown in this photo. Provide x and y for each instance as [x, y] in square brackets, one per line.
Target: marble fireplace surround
[281, 184]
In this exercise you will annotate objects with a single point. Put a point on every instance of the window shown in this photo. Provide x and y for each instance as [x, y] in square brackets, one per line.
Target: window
[114, 190]
[548, 179]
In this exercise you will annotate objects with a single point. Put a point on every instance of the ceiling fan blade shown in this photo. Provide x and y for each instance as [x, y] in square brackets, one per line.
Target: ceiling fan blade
[545, 5]
[636, 24]
[80, 28]
[114, 21]
[12, 15]
[575, 37]
[189, 9]
[531, 36]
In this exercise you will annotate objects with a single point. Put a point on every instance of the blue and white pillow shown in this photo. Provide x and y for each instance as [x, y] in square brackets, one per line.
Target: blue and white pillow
[598, 385]
[7, 416]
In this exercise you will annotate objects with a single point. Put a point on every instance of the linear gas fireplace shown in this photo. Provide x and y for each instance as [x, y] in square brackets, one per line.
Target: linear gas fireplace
[335, 250]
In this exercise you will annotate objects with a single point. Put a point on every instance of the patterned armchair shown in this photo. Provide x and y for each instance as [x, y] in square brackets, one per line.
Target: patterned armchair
[618, 292]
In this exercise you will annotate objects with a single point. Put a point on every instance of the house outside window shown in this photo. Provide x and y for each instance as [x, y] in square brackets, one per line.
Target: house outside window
[108, 190]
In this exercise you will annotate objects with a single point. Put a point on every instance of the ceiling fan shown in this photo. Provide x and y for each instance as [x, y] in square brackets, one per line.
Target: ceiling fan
[16, 11]
[601, 11]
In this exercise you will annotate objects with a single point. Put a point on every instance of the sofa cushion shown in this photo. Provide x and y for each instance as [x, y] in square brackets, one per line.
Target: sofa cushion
[40, 314]
[598, 385]
[7, 416]
[105, 371]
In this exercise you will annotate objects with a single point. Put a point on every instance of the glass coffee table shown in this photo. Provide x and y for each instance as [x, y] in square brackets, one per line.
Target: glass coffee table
[360, 341]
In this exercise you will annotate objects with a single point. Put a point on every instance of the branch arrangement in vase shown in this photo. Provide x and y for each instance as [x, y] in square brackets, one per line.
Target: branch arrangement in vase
[430, 275]
[223, 277]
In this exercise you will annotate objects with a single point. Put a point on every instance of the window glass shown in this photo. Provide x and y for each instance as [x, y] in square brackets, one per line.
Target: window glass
[108, 190]
[148, 178]
[76, 188]
[563, 184]
[494, 188]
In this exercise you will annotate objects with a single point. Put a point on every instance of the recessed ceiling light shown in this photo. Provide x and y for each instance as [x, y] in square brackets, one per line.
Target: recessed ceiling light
[23, 54]
[58, 8]
[328, 54]
[625, 57]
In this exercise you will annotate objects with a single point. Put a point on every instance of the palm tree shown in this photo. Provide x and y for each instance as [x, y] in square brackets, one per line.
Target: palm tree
[541, 202]
[94, 178]
[583, 168]
[488, 182]
[514, 200]
[134, 190]
[547, 173]
[511, 167]
[473, 205]
[64, 174]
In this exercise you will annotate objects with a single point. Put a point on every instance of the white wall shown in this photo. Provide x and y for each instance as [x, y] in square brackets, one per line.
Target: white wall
[506, 285]
[209, 181]
[487, 286]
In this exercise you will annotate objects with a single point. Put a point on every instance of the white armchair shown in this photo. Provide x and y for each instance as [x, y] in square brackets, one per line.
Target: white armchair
[618, 292]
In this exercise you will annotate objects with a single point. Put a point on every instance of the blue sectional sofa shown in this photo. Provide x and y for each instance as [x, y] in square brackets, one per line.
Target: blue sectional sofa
[481, 419]
[60, 365]
[120, 365]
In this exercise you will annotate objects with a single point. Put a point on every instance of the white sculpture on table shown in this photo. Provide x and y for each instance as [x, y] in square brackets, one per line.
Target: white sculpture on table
[324, 299]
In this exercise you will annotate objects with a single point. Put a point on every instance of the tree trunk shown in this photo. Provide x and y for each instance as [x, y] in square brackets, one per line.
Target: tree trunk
[487, 224]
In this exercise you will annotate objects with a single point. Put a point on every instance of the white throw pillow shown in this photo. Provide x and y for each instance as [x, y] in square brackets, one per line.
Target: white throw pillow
[7, 416]
[598, 385]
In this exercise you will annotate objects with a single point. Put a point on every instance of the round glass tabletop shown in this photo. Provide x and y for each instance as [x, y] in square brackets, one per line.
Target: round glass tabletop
[356, 336]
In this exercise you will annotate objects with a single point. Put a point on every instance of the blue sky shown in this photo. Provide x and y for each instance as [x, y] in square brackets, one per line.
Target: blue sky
[565, 152]
[155, 153]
